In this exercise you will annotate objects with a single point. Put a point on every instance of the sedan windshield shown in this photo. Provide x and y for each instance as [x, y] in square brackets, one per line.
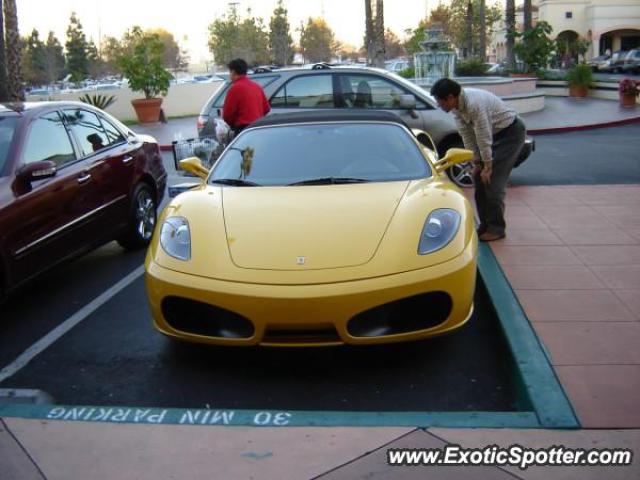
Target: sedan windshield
[7, 127]
[321, 154]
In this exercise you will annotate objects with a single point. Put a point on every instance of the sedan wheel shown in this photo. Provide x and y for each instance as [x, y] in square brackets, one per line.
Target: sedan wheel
[462, 174]
[142, 219]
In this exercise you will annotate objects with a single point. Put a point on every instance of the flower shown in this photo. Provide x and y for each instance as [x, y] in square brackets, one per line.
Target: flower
[629, 87]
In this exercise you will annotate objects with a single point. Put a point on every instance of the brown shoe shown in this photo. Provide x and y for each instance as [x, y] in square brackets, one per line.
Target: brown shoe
[490, 237]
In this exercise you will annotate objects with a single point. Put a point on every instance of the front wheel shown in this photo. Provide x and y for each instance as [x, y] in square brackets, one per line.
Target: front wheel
[462, 173]
[142, 219]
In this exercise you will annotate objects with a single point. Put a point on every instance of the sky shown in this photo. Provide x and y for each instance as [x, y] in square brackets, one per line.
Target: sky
[188, 19]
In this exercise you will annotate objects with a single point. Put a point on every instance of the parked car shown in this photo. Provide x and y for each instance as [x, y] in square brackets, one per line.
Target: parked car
[597, 63]
[71, 179]
[397, 65]
[316, 228]
[357, 88]
[631, 62]
[614, 64]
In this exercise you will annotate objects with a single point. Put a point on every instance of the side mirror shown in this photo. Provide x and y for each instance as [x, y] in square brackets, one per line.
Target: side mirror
[408, 102]
[37, 171]
[454, 156]
[194, 165]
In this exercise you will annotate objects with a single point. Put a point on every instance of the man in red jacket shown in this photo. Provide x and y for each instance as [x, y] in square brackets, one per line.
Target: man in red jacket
[245, 102]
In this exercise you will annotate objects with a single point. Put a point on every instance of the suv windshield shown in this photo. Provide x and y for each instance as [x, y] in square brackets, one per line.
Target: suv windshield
[7, 127]
[316, 154]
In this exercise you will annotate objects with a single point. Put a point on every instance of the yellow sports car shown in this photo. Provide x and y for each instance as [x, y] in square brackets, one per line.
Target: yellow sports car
[320, 228]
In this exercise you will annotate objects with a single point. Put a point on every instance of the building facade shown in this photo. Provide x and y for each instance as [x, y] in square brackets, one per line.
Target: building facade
[609, 25]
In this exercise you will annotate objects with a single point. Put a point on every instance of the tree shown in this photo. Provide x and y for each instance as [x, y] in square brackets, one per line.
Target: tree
[76, 46]
[393, 47]
[174, 58]
[142, 62]
[482, 42]
[53, 59]
[111, 49]
[374, 32]
[536, 48]
[280, 41]
[4, 91]
[528, 20]
[468, 31]
[12, 51]
[34, 60]
[95, 66]
[230, 38]
[510, 23]
[317, 41]
[458, 27]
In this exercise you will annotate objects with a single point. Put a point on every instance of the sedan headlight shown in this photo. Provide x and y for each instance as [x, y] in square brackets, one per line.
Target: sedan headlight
[439, 229]
[175, 238]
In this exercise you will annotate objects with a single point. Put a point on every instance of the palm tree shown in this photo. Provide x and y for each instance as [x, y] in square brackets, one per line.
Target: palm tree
[528, 21]
[483, 31]
[510, 21]
[374, 32]
[12, 38]
[468, 48]
[4, 93]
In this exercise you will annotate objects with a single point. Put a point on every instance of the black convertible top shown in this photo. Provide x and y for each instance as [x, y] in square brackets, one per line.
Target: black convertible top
[338, 115]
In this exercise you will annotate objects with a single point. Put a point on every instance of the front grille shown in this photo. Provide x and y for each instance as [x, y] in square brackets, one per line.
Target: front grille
[402, 316]
[304, 334]
[198, 318]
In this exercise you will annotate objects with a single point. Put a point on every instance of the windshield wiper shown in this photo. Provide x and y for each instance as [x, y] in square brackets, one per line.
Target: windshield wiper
[329, 181]
[236, 182]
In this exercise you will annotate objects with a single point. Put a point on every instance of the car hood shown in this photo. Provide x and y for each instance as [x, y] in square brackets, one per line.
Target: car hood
[308, 227]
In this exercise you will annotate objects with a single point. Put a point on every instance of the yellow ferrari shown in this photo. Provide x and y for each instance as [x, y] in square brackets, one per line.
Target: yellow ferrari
[311, 229]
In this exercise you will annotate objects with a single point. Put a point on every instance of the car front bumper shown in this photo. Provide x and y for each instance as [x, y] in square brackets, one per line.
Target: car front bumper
[318, 315]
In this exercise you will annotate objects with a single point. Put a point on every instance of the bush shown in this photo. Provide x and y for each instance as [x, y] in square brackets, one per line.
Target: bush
[536, 48]
[580, 75]
[100, 101]
[143, 65]
[473, 67]
[408, 73]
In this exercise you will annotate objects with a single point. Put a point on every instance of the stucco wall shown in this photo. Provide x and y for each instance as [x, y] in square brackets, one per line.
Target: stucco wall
[181, 100]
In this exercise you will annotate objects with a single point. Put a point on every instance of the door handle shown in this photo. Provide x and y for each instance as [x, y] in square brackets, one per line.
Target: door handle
[127, 160]
[84, 178]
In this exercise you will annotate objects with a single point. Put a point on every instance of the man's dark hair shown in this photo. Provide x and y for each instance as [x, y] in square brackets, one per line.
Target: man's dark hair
[239, 66]
[445, 87]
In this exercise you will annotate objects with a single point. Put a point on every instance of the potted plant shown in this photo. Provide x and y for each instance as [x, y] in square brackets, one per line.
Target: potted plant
[579, 78]
[535, 48]
[141, 63]
[629, 90]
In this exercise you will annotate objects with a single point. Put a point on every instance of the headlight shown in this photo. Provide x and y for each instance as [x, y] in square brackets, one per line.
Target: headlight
[175, 238]
[439, 229]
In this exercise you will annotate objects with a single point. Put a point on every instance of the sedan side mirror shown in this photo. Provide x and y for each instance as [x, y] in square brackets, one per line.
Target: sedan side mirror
[453, 156]
[194, 165]
[37, 171]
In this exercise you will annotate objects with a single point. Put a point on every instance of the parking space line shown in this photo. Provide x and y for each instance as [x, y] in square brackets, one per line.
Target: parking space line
[38, 347]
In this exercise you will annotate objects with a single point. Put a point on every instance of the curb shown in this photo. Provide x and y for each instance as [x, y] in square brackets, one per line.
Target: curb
[576, 128]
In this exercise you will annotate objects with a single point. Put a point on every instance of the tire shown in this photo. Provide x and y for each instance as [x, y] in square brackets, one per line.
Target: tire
[461, 174]
[142, 219]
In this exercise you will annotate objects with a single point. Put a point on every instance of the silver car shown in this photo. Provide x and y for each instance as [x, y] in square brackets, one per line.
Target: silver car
[325, 87]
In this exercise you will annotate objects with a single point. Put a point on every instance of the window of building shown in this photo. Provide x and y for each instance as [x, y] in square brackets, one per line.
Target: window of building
[568, 15]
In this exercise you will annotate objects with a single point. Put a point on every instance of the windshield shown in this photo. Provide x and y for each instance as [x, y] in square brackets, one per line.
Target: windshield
[321, 153]
[7, 127]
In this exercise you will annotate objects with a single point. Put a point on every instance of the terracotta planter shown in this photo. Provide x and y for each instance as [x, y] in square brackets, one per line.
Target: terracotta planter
[578, 91]
[627, 100]
[147, 109]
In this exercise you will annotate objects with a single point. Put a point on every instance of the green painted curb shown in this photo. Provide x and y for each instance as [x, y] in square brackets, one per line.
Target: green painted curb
[270, 418]
[539, 378]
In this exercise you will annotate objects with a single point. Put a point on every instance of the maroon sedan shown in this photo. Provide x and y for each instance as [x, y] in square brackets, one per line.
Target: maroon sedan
[71, 179]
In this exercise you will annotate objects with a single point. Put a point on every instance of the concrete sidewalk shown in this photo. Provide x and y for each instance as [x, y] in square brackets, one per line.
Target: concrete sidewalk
[560, 114]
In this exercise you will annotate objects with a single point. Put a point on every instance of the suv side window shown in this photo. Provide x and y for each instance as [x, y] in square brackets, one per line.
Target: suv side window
[87, 129]
[371, 91]
[307, 91]
[48, 139]
[262, 81]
